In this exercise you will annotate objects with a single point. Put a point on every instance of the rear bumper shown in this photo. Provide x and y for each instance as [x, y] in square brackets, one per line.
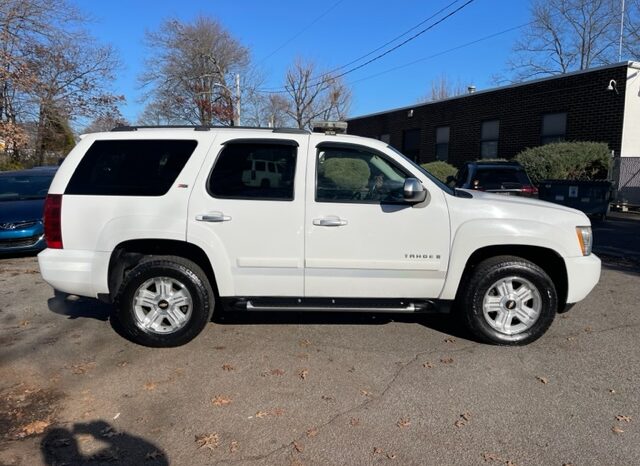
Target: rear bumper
[82, 273]
[583, 274]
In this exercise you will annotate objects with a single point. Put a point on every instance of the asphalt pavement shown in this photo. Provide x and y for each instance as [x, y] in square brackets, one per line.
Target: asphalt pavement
[315, 389]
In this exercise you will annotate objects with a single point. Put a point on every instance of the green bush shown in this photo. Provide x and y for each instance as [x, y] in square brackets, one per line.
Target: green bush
[566, 161]
[440, 170]
[346, 173]
[6, 164]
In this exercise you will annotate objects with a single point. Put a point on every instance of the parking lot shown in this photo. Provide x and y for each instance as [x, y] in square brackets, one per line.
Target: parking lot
[296, 388]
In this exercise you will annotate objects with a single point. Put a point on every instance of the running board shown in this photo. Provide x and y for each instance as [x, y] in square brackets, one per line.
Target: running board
[337, 305]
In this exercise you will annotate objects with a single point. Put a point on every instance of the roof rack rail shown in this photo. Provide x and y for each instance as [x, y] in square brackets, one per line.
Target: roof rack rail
[208, 127]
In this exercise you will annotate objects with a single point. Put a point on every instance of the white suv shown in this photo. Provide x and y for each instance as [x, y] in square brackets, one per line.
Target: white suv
[166, 223]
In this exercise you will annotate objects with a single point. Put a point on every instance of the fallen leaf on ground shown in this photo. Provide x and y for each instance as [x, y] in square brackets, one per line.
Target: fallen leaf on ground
[150, 386]
[24, 323]
[510, 463]
[221, 400]
[303, 374]
[403, 423]
[571, 338]
[122, 363]
[391, 456]
[233, 446]
[35, 427]
[588, 329]
[449, 340]
[109, 432]
[354, 421]
[152, 455]
[228, 367]
[209, 441]
[312, 432]
[427, 364]
[298, 447]
[304, 343]
[82, 368]
[459, 423]
[612, 391]
[616, 430]
[377, 451]
[261, 414]
[446, 360]
[622, 417]
[466, 416]
[544, 380]
[365, 393]
[277, 372]
[327, 398]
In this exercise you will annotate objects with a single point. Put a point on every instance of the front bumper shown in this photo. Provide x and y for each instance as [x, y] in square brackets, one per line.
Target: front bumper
[82, 273]
[583, 274]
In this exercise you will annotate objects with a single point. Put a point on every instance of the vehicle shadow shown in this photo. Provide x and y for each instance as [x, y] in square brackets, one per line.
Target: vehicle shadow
[75, 307]
[61, 446]
[444, 323]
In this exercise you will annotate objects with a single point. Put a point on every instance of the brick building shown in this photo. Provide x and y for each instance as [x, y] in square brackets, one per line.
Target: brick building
[601, 105]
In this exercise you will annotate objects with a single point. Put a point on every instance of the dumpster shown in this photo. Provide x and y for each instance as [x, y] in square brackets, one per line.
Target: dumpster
[591, 197]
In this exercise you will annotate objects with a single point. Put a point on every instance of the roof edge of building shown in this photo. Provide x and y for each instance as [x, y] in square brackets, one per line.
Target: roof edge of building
[628, 64]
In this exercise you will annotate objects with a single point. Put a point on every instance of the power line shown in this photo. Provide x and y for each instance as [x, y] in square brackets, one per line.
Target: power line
[302, 31]
[383, 54]
[435, 55]
[330, 72]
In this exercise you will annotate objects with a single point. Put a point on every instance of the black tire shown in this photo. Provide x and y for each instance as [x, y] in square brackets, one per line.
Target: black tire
[481, 279]
[183, 271]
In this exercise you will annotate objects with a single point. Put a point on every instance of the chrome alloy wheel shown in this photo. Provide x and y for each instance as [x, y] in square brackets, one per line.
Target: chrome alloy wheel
[512, 305]
[162, 305]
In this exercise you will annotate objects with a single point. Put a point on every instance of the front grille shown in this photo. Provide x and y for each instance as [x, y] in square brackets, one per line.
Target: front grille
[19, 242]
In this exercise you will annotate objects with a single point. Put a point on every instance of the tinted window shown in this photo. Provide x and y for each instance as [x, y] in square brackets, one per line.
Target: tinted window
[497, 178]
[554, 127]
[411, 143]
[352, 175]
[22, 187]
[240, 172]
[442, 142]
[130, 168]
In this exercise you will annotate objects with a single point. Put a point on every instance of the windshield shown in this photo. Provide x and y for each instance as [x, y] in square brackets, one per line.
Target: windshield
[440, 184]
[22, 187]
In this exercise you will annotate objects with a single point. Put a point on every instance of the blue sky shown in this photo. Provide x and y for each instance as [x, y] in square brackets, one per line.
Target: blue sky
[350, 29]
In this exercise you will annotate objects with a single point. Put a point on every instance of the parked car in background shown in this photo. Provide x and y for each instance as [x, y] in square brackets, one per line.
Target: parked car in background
[496, 177]
[22, 195]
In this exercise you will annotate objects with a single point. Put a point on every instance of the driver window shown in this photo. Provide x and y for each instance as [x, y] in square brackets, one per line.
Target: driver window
[353, 175]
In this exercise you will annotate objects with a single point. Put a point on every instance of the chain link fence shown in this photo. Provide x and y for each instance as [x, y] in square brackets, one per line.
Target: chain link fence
[625, 175]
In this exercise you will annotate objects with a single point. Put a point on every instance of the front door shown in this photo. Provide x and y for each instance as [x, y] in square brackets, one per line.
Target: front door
[362, 240]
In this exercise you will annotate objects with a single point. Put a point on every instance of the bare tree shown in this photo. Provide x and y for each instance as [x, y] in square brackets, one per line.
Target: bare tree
[631, 42]
[312, 95]
[443, 87]
[267, 110]
[106, 123]
[191, 71]
[567, 35]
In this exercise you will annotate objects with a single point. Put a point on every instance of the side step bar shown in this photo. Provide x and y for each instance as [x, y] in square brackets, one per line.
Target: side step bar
[381, 305]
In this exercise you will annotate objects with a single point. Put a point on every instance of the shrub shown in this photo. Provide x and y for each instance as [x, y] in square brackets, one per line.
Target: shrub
[566, 161]
[346, 173]
[440, 170]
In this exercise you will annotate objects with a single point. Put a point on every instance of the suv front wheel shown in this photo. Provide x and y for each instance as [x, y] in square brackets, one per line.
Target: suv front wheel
[508, 300]
[164, 301]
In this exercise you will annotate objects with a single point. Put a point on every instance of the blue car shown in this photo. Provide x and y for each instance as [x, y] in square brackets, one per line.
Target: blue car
[22, 195]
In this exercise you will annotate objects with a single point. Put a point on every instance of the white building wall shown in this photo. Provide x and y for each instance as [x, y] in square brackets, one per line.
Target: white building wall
[631, 125]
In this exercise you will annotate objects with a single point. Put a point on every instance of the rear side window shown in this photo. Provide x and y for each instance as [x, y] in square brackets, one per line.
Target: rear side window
[254, 171]
[130, 167]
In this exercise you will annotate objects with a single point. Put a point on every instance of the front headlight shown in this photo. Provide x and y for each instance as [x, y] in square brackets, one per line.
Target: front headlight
[585, 239]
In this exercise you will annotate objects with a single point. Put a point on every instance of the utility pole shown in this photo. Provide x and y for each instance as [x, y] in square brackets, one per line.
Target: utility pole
[621, 32]
[236, 120]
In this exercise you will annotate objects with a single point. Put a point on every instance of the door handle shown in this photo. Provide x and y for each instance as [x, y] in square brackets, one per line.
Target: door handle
[213, 217]
[329, 222]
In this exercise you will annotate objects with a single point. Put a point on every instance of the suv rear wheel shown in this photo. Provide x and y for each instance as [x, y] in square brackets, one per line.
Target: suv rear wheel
[508, 300]
[165, 301]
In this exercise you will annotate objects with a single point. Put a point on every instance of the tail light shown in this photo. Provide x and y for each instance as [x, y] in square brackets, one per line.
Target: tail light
[530, 190]
[53, 221]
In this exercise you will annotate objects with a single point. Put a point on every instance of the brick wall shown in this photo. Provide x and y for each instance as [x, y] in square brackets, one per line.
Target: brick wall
[593, 114]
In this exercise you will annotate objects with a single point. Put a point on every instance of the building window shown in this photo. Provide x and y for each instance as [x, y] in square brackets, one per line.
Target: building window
[489, 139]
[411, 144]
[386, 138]
[554, 127]
[442, 143]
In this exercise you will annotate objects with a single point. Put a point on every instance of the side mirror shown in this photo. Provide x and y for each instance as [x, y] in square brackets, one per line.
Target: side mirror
[413, 191]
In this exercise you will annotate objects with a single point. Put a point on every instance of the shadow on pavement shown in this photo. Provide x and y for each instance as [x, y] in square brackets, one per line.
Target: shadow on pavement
[63, 446]
[77, 307]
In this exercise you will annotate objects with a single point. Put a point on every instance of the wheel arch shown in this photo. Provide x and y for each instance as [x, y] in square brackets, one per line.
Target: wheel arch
[128, 254]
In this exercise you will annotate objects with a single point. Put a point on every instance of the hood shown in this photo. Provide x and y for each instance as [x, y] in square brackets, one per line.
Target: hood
[516, 201]
[16, 211]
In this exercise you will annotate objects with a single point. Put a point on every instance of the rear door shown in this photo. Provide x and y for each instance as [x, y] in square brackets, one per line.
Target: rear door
[248, 219]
